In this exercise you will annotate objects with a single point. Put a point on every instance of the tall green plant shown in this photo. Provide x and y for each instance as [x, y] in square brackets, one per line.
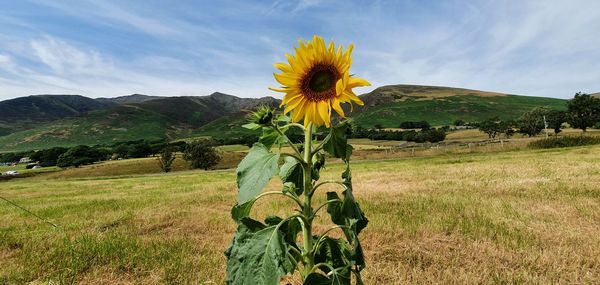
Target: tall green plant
[263, 252]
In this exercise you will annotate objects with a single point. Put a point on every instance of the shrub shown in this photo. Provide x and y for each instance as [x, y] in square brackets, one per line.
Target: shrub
[166, 158]
[570, 141]
[202, 154]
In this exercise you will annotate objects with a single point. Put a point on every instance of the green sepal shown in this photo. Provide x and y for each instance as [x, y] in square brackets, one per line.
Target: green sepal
[252, 126]
[255, 171]
[284, 118]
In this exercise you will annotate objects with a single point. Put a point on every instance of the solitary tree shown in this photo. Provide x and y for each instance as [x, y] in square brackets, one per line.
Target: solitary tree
[166, 158]
[532, 122]
[492, 127]
[556, 119]
[584, 111]
[201, 154]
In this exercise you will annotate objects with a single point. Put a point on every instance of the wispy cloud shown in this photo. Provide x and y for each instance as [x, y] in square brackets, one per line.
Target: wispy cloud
[110, 48]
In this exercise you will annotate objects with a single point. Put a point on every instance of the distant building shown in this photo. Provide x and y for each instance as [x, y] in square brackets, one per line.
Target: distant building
[25, 160]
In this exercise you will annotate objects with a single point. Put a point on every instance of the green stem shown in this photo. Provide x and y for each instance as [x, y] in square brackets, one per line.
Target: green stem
[326, 203]
[276, 127]
[341, 183]
[278, 193]
[307, 210]
[320, 146]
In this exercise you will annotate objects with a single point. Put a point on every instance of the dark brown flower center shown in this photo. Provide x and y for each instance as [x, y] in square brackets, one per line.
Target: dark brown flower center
[319, 83]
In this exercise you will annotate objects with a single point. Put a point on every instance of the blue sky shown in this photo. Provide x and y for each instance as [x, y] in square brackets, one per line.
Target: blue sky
[113, 48]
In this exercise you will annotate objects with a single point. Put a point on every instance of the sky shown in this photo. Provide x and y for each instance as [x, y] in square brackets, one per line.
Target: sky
[112, 48]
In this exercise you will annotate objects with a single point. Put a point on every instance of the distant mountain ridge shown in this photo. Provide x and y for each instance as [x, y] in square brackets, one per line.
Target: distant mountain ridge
[36, 122]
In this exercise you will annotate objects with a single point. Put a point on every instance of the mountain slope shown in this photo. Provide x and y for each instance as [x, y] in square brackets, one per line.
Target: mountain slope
[27, 112]
[148, 117]
[391, 105]
[157, 118]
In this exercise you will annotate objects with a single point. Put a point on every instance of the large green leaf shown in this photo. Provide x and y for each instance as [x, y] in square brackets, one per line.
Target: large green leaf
[291, 171]
[255, 171]
[337, 145]
[238, 212]
[257, 256]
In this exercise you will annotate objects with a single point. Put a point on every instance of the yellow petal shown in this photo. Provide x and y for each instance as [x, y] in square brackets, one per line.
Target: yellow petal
[283, 90]
[324, 109]
[293, 103]
[335, 104]
[286, 68]
[308, 115]
[299, 112]
[285, 79]
[357, 82]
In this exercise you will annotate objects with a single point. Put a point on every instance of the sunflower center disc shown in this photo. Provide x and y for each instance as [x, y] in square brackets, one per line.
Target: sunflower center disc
[321, 80]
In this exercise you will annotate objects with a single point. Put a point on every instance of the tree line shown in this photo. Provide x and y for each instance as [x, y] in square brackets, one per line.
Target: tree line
[583, 112]
[198, 153]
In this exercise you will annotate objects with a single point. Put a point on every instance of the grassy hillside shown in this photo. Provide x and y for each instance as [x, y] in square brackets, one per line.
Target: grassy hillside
[103, 126]
[28, 112]
[391, 105]
[460, 219]
[222, 115]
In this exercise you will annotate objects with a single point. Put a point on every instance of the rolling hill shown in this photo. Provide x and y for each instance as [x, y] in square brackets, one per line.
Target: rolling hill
[391, 105]
[84, 120]
[31, 111]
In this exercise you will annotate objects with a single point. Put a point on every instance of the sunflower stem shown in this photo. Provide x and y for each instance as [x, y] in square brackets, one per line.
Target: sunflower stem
[307, 210]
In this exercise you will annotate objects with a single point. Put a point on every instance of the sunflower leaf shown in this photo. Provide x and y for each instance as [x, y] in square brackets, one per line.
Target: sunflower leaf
[255, 171]
[337, 145]
[291, 171]
[257, 256]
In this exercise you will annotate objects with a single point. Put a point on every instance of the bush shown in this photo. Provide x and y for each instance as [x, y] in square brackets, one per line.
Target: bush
[565, 142]
[202, 154]
[166, 158]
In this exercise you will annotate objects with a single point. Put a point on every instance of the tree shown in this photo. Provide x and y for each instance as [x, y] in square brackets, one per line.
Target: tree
[201, 154]
[459, 122]
[139, 149]
[508, 128]
[166, 158]
[80, 155]
[492, 127]
[532, 122]
[48, 157]
[378, 126]
[555, 120]
[121, 150]
[584, 111]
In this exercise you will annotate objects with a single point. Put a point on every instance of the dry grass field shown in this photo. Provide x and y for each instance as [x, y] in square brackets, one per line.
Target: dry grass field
[512, 217]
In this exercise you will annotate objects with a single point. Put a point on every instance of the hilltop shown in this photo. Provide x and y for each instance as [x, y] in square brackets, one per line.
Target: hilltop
[36, 122]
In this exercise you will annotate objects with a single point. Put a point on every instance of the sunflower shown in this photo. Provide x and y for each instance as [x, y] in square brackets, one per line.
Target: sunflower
[317, 79]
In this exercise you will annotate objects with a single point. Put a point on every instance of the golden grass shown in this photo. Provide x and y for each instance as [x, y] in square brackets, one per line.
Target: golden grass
[518, 217]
